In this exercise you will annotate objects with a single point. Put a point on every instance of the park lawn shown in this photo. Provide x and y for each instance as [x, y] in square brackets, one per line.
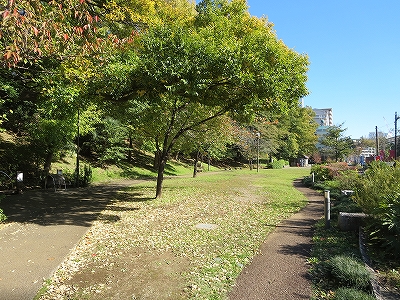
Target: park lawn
[190, 244]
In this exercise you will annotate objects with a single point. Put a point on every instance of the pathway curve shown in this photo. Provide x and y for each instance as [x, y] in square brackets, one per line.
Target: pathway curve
[280, 270]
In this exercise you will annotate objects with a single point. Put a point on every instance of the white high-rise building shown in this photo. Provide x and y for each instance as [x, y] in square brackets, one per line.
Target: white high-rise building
[324, 116]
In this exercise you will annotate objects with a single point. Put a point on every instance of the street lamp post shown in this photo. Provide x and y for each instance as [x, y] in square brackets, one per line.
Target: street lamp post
[258, 151]
[395, 134]
[77, 150]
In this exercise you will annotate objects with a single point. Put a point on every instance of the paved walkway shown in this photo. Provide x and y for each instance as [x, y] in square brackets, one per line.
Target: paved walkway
[280, 271]
[45, 226]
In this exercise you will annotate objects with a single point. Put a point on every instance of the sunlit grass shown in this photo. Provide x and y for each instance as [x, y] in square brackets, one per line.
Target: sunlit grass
[108, 173]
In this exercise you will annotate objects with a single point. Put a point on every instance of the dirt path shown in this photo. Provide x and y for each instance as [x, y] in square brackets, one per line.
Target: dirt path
[280, 271]
[45, 226]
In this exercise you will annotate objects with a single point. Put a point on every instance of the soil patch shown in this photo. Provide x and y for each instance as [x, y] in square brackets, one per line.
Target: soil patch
[133, 276]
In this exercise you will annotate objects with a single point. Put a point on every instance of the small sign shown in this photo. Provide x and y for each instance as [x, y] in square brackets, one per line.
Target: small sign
[20, 177]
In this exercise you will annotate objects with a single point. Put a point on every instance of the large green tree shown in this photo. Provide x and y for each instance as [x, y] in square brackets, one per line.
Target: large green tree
[298, 137]
[336, 143]
[173, 68]
[222, 61]
[288, 135]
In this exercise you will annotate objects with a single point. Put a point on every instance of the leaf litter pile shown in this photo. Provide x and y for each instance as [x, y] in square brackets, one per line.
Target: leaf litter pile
[190, 244]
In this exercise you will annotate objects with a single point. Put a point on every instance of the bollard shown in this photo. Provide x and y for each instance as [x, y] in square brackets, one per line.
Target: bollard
[327, 209]
[313, 177]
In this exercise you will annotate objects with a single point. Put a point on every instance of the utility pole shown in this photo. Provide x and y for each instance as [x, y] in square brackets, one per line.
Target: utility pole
[258, 151]
[77, 151]
[377, 140]
[395, 135]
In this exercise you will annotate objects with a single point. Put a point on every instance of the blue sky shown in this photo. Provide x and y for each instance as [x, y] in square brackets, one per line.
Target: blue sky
[354, 52]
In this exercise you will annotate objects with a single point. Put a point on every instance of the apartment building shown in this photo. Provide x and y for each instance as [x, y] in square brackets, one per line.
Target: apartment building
[323, 116]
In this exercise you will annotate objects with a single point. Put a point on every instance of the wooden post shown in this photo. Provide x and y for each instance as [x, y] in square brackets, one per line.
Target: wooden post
[327, 209]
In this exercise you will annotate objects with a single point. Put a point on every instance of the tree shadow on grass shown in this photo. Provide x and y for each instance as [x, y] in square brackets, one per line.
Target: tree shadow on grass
[78, 207]
[147, 163]
[133, 194]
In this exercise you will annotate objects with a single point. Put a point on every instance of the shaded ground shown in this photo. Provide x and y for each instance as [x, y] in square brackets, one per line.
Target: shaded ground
[45, 226]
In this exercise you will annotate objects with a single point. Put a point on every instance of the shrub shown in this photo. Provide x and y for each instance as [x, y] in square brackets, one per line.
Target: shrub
[385, 232]
[321, 173]
[337, 168]
[330, 171]
[350, 272]
[85, 176]
[345, 204]
[393, 277]
[307, 181]
[352, 294]
[379, 187]
[378, 194]
[278, 164]
[347, 179]
[3, 217]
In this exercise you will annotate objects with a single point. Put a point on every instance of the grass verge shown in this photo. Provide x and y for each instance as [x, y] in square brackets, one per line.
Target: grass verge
[337, 269]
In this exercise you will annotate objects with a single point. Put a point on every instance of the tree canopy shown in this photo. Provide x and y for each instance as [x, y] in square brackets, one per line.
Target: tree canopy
[222, 61]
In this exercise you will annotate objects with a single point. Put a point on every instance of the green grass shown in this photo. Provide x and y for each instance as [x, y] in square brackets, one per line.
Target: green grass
[352, 294]
[43, 289]
[112, 172]
[349, 271]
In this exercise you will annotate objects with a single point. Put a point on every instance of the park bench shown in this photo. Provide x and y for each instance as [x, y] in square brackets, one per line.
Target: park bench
[56, 181]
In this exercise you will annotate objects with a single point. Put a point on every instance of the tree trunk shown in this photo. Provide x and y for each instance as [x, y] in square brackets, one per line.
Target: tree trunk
[160, 177]
[130, 149]
[196, 160]
[47, 163]
[157, 159]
